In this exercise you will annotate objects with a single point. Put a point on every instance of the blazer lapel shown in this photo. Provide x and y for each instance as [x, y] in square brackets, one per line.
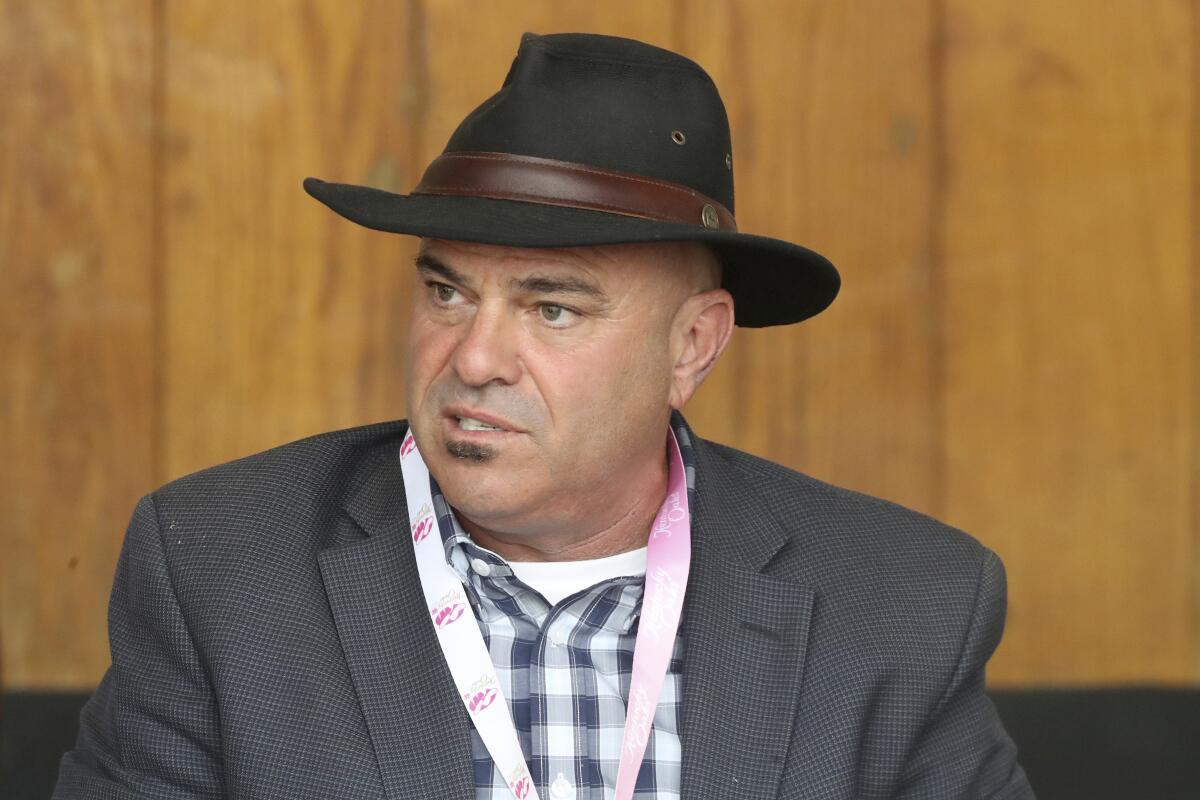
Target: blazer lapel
[744, 643]
[416, 721]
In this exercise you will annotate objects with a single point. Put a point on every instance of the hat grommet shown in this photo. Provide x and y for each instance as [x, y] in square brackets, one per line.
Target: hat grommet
[678, 138]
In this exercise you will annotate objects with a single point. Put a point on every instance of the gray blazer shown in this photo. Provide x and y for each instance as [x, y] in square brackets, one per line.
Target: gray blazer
[270, 640]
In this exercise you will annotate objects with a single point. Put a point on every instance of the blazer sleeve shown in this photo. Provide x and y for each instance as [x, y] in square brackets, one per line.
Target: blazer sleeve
[964, 751]
[151, 729]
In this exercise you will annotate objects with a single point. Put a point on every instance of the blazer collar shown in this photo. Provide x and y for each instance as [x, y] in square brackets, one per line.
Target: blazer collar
[416, 721]
[745, 639]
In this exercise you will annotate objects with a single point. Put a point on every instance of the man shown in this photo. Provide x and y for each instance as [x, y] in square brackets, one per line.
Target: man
[544, 584]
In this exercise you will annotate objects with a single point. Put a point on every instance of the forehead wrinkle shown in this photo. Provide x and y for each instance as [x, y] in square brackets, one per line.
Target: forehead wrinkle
[512, 259]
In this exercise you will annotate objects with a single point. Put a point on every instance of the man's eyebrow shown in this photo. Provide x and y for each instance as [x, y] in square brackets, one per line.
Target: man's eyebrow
[532, 284]
[429, 263]
[566, 284]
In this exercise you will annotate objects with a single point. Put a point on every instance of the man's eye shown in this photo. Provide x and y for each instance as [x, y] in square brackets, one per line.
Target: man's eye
[444, 293]
[555, 315]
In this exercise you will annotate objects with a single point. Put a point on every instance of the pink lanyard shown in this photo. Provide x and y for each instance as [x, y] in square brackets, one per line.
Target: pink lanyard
[668, 557]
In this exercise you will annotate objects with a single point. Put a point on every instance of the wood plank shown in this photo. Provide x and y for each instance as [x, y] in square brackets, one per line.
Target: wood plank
[1193, 431]
[830, 106]
[1070, 366]
[281, 318]
[76, 323]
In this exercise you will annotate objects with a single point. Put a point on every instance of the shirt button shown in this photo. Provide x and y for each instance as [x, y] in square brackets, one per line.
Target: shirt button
[562, 788]
[481, 567]
[558, 638]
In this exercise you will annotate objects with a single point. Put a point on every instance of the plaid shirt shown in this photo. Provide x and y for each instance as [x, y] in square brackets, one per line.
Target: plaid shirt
[565, 671]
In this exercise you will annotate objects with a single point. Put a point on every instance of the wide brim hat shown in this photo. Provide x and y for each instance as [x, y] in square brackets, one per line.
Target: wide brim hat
[596, 140]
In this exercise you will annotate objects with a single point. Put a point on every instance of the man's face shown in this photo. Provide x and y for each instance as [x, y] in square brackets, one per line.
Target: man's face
[539, 380]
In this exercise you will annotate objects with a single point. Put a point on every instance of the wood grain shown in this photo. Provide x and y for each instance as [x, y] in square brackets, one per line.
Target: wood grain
[832, 123]
[76, 323]
[281, 319]
[1070, 365]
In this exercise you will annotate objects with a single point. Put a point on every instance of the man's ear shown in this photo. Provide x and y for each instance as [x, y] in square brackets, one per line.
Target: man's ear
[702, 329]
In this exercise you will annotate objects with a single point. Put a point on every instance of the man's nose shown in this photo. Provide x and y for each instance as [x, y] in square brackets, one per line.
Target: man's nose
[488, 350]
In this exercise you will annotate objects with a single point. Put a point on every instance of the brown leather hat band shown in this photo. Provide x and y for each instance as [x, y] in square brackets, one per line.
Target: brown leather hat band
[503, 176]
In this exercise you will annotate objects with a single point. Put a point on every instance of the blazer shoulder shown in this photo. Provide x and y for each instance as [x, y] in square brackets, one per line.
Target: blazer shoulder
[915, 584]
[293, 491]
[324, 461]
[847, 526]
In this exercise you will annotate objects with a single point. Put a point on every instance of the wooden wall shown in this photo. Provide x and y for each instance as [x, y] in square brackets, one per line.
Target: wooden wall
[1009, 189]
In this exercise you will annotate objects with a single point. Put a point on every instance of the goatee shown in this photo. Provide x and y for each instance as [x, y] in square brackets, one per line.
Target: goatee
[467, 451]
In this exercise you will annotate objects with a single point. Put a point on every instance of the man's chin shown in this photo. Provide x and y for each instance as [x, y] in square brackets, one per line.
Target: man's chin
[480, 492]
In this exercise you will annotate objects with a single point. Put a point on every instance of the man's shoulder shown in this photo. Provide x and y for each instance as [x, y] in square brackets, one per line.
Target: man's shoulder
[294, 489]
[846, 531]
[240, 543]
[913, 583]
[322, 461]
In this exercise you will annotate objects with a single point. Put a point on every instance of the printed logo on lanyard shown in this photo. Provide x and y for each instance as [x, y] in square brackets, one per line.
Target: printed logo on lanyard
[482, 694]
[668, 557]
[449, 608]
[424, 525]
[521, 784]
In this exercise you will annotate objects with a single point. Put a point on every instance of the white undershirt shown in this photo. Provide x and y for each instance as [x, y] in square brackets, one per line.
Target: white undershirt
[556, 580]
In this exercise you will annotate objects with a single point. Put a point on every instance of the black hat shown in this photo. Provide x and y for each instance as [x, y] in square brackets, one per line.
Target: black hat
[598, 140]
